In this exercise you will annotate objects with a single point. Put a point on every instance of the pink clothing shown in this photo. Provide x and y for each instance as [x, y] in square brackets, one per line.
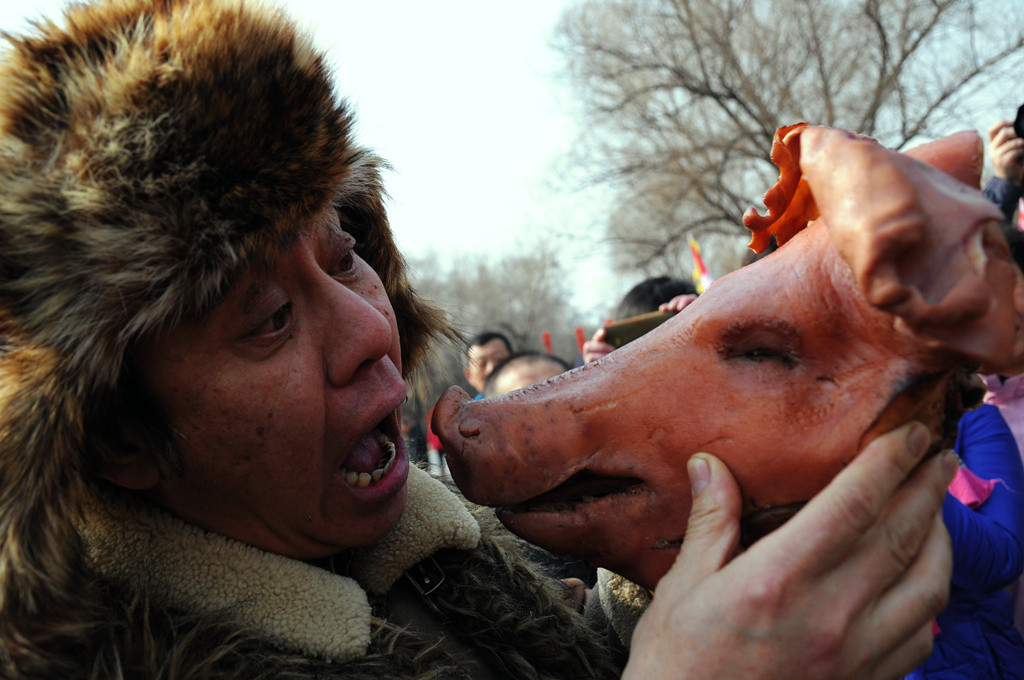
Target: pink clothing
[970, 489]
[1007, 394]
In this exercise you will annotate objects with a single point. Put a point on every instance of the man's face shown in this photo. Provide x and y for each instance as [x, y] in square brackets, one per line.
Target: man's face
[284, 396]
[482, 360]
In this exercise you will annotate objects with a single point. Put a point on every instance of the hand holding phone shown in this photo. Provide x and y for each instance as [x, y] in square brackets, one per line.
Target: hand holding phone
[618, 333]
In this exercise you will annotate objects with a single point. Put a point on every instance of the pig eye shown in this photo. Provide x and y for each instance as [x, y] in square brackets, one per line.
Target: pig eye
[761, 354]
[760, 341]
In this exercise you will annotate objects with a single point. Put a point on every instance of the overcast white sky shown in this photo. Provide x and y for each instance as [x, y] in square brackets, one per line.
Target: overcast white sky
[461, 97]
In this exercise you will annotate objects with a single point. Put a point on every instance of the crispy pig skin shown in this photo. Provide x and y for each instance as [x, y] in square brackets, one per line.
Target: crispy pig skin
[784, 369]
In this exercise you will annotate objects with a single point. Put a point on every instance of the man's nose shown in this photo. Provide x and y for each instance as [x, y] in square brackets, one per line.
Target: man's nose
[357, 335]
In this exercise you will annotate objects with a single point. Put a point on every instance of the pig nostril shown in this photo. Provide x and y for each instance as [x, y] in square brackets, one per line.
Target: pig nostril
[469, 428]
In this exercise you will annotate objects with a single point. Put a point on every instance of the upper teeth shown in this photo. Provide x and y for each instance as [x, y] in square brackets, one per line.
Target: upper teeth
[387, 462]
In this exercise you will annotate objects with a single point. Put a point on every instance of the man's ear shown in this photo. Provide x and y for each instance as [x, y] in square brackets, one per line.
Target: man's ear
[133, 464]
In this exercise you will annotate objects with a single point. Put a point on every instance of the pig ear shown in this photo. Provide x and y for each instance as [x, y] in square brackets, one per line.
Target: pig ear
[790, 205]
[960, 155]
[922, 245]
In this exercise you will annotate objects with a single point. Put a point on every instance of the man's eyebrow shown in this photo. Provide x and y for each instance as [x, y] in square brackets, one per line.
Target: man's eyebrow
[334, 238]
[253, 293]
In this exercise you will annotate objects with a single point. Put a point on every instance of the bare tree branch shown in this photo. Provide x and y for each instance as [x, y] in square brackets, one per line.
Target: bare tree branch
[682, 97]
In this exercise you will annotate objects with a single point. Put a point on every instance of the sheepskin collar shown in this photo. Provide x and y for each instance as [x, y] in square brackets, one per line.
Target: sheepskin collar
[623, 603]
[306, 608]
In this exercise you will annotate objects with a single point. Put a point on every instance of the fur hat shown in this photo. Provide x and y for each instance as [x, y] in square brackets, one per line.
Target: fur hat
[150, 151]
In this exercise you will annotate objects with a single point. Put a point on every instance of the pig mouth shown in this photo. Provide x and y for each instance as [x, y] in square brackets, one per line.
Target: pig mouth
[582, 488]
[586, 488]
[758, 524]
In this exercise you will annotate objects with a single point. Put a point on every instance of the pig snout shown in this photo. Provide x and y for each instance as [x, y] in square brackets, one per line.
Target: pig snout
[458, 422]
[445, 420]
[491, 445]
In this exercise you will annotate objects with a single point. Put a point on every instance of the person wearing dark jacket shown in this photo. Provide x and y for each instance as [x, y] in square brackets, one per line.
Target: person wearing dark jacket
[1006, 153]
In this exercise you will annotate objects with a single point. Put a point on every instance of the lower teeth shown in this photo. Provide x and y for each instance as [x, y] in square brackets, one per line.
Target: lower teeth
[364, 479]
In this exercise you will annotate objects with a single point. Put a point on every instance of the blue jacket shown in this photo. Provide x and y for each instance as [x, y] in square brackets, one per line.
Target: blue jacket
[977, 638]
[1003, 193]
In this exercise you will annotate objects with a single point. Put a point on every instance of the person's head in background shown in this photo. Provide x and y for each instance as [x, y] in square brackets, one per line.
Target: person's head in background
[650, 294]
[1015, 240]
[522, 369]
[484, 351]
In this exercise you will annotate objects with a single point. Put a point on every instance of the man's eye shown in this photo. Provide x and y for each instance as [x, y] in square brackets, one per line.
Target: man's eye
[277, 320]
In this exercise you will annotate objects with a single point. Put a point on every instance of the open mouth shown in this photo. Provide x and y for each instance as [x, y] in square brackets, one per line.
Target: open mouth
[387, 462]
[583, 487]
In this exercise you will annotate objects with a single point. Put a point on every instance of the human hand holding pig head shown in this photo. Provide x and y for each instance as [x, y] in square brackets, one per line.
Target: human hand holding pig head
[891, 277]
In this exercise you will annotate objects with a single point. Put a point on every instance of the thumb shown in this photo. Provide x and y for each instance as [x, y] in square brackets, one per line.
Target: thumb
[713, 530]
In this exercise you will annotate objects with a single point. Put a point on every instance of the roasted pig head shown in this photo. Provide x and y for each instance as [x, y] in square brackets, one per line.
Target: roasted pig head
[891, 276]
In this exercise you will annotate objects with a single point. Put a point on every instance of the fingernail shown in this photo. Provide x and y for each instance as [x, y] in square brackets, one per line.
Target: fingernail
[950, 465]
[700, 474]
[918, 438]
